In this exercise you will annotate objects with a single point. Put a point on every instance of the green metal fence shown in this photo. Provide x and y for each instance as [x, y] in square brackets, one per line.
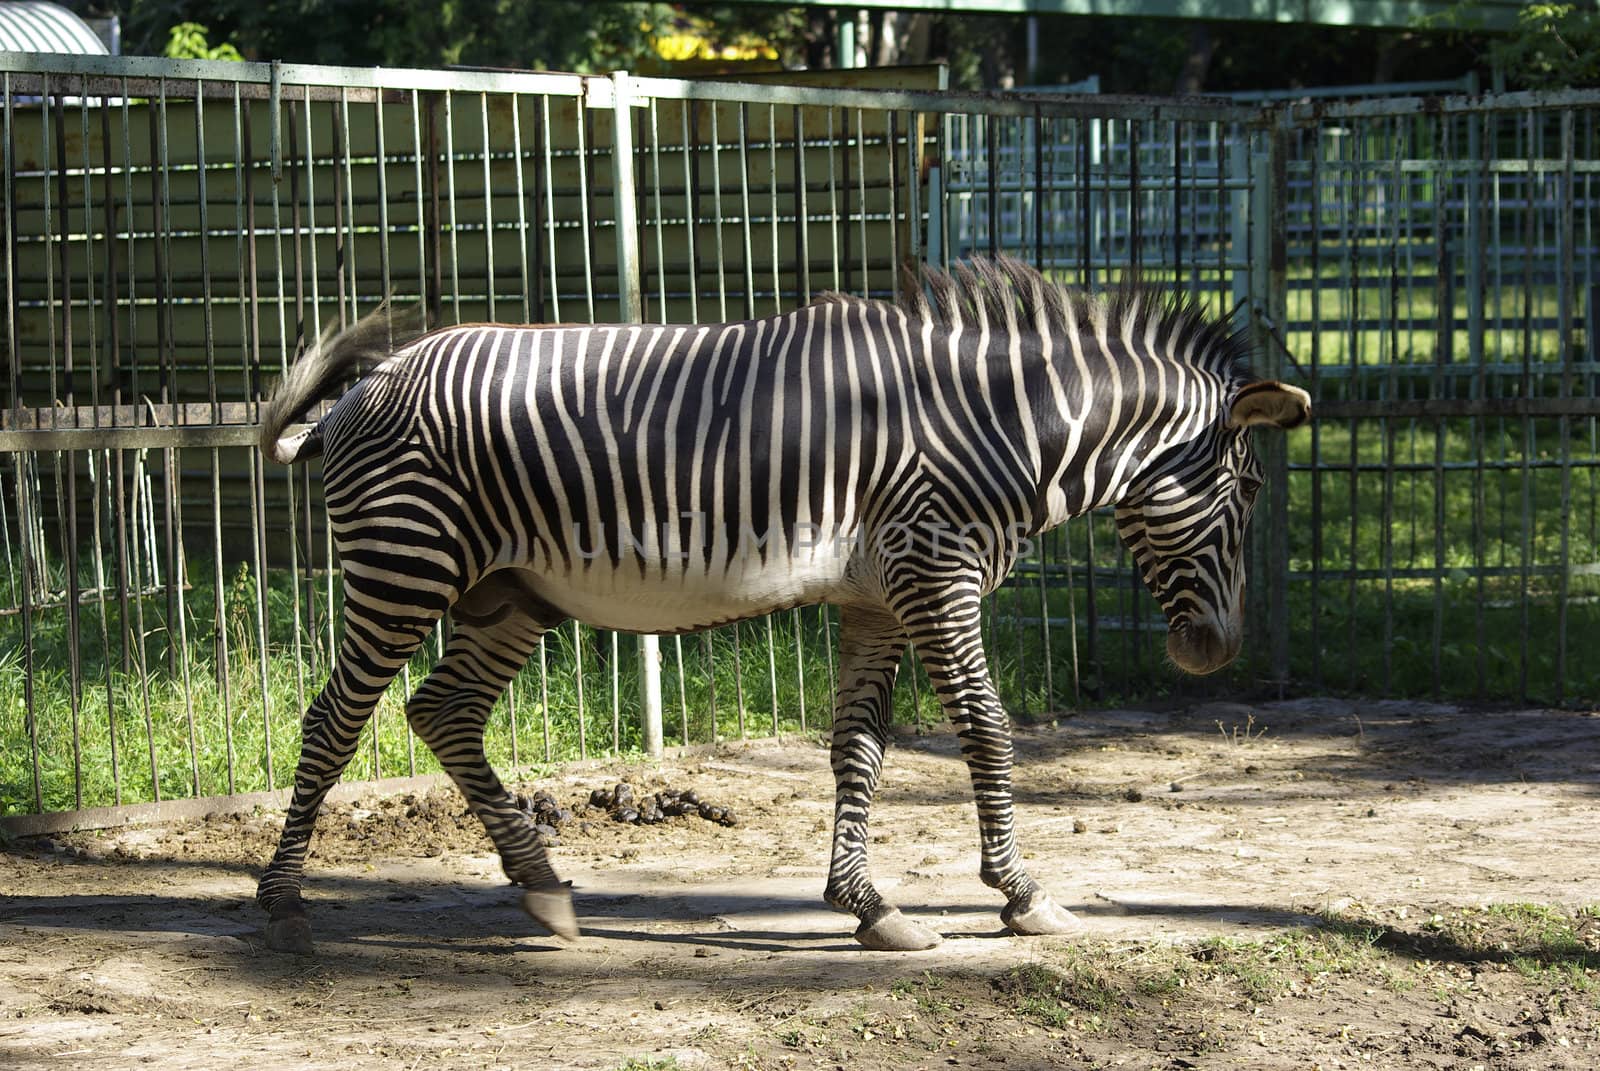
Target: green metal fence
[1438, 296]
[174, 232]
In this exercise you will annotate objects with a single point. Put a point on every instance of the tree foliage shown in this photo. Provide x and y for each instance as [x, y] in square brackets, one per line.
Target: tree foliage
[567, 35]
[187, 40]
[1556, 46]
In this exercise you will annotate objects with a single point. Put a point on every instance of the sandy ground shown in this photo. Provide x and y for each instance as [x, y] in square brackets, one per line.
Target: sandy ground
[709, 946]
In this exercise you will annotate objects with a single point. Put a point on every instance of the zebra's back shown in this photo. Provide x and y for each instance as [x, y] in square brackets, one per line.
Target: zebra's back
[649, 478]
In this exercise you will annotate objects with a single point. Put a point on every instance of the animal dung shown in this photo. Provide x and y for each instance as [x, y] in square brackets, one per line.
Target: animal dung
[623, 804]
[548, 816]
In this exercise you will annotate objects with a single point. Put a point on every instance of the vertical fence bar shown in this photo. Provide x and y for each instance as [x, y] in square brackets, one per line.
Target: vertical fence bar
[69, 532]
[628, 284]
[250, 324]
[1314, 315]
[1444, 317]
[745, 222]
[1477, 253]
[862, 204]
[1566, 233]
[488, 203]
[1268, 286]
[21, 458]
[131, 531]
[1389, 351]
[110, 299]
[1529, 232]
[544, 133]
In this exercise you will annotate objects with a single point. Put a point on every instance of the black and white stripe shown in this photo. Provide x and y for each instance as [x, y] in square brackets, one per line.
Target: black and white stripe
[889, 460]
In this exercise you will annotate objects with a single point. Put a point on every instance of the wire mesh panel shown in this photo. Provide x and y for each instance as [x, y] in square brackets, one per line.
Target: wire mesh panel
[174, 235]
[1439, 302]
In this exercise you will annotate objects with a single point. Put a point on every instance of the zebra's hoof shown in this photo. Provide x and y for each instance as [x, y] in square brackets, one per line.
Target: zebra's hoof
[290, 933]
[551, 907]
[890, 931]
[1037, 914]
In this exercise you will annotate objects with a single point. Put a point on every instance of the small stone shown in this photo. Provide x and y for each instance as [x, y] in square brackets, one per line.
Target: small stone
[1080, 826]
[1133, 795]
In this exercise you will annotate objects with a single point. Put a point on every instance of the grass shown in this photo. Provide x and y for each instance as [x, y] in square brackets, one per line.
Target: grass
[1060, 997]
[175, 730]
[1090, 989]
[1541, 942]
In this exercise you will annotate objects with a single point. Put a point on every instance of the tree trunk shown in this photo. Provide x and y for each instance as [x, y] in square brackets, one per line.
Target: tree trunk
[998, 63]
[1391, 50]
[820, 36]
[1202, 48]
[886, 39]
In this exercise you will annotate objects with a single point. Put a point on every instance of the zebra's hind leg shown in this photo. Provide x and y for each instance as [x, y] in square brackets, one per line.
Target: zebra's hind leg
[489, 644]
[870, 646]
[950, 644]
[370, 654]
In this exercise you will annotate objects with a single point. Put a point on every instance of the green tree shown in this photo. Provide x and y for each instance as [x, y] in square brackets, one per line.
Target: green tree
[1555, 46]
[569, 35]
[188, 41]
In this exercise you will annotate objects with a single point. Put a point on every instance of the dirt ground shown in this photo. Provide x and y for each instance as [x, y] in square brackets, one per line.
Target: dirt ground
[1290, 885]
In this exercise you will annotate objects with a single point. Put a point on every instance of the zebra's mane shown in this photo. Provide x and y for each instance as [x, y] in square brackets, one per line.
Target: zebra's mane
[1003, 294]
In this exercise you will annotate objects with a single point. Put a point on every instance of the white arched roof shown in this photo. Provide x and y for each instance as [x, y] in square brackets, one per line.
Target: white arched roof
[36, 26]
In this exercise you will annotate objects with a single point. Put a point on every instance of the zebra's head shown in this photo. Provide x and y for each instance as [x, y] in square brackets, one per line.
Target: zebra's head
[1185, 523]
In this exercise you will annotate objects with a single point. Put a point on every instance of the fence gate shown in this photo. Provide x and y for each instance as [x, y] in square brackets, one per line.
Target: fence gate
[1438, 299]
[174, 233]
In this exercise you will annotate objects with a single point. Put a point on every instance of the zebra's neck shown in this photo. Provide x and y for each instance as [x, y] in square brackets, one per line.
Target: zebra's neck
[1107, 407]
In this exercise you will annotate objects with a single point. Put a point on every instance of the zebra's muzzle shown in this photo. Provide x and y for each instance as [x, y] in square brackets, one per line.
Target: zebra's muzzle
[1201, 647]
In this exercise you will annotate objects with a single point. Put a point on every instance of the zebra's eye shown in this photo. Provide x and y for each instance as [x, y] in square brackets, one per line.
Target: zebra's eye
[1249, 487]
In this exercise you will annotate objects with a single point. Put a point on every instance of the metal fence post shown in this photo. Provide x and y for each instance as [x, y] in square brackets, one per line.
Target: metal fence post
[630, 305]
[1269, 302]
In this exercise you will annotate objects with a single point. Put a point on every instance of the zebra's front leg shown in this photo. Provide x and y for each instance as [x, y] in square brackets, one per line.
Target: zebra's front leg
[870, 647]
[368, 659]
[449, 712]
[950, 643]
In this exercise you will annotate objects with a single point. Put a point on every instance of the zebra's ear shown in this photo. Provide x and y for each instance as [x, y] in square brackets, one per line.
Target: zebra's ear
[1269, 402]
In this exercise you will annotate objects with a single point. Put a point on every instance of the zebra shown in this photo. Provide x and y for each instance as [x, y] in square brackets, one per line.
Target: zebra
[892, 460]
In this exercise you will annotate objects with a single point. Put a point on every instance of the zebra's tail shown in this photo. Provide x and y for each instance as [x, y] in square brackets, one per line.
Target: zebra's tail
[334, 356]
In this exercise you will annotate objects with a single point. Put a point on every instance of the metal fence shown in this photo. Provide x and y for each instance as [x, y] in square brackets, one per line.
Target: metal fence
[175, 232]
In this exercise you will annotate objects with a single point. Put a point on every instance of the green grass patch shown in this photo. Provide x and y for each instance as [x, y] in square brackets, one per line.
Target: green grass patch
[1075, 994]
[1555, 949]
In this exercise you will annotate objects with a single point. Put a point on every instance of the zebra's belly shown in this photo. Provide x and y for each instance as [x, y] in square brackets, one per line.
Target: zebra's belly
[625, 601]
